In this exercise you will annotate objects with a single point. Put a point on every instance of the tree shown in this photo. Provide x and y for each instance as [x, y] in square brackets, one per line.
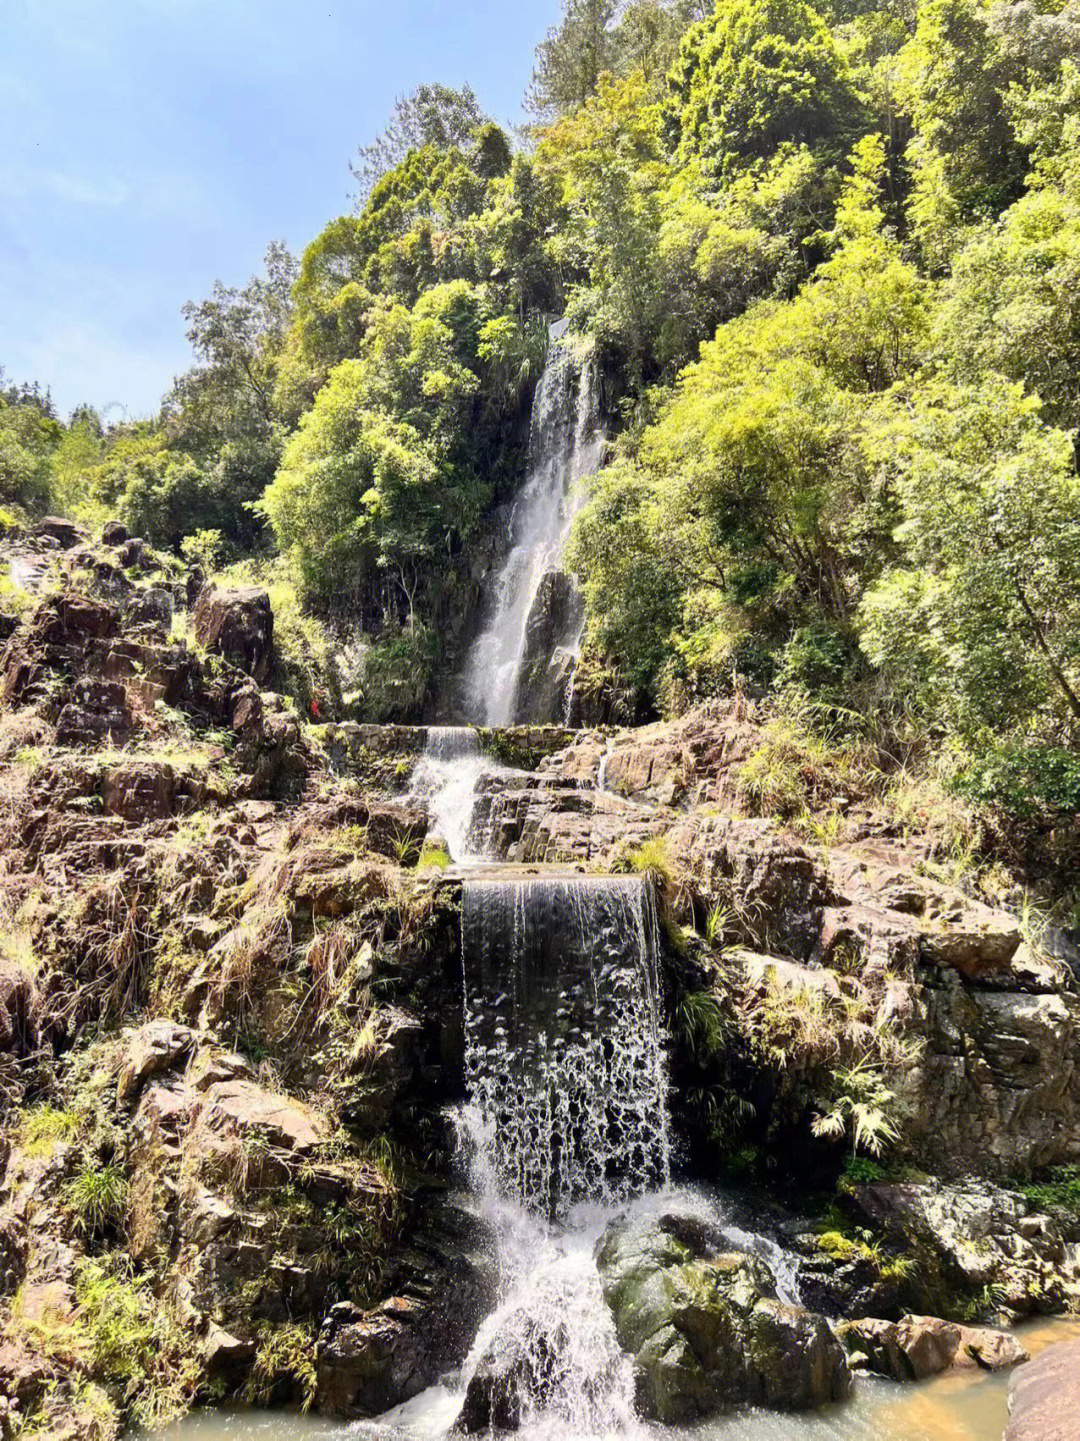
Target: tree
[605, 161]
[572, 57]
[237, 334]
[430, 115]
[982, 617]
[378, 483]
[29, 433]
[756, 74]
[964, 157]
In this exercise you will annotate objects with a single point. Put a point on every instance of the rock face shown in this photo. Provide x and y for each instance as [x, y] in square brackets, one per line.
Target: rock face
[1044, 1397]
[20, 1009]
[154, 1047]
[139, 790]
[237, 624]
[704, 1327]
[993, 1085]
[919, 1346]
[547, 664]
[97, 710]
[971, 1237]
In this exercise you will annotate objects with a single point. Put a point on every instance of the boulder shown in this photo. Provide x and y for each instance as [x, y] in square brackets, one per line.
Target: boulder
[114, 532]
[237, 624]
[704, 1327]
[395, 830]
[71, 619]
[441, 1283]
[764, 868]
[24, 1376]
[951, 929]
[390, 1065]
[65, 533]
[368, 1361]
[970, 1237]
[226, 1355]
[843, 1280]
[920, 1346]
[152, 606]
[155, 1047]
[1044, 1396]
[517, 1368]
[694, 760]
[134, 553]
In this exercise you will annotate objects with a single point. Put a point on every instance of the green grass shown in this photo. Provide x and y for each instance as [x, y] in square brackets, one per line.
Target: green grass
[40, 1129]
[652, 858]
[433, 857]
[285, 1357]
[700, 1019]
[96, 1197]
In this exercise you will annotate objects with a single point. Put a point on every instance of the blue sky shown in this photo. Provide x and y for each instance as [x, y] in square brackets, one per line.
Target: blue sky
[151, 146]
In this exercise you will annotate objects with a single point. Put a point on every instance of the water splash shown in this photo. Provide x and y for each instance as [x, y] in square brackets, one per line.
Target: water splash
[445, 782]
[566, 444]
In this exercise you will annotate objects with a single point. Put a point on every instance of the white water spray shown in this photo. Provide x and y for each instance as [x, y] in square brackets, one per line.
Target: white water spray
[445, 781]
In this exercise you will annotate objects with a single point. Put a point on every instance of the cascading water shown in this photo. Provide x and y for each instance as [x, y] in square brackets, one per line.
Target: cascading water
[567, 1118]
[445, 782]
[566, 444]
[564, 1060]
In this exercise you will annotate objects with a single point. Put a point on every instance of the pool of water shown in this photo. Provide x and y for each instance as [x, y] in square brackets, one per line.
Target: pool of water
[967, 1405]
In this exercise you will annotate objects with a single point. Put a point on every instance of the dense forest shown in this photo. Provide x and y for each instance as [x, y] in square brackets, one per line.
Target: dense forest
[828, 264]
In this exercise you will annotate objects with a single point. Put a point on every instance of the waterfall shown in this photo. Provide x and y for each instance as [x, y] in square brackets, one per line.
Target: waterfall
[567, 1118]
[535, 610]
[564, 1060]
[445, 782]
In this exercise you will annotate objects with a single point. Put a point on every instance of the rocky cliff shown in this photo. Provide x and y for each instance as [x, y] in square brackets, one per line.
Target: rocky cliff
[231, 1016]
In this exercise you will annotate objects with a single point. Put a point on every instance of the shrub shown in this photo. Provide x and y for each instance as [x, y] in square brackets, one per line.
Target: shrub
[1021, 779]
[97, 1197]
[133, 1341]
[1059, 1189]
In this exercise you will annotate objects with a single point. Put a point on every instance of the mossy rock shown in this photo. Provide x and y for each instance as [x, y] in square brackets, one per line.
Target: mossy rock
[704, 1326]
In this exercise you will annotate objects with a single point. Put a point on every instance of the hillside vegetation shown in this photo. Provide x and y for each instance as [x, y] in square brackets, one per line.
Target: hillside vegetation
[828, 261]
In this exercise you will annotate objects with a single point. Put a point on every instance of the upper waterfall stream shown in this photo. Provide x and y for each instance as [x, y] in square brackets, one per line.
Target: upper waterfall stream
[566, 443]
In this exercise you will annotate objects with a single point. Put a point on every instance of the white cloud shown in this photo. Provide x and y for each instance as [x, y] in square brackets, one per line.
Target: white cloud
[84, 360]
